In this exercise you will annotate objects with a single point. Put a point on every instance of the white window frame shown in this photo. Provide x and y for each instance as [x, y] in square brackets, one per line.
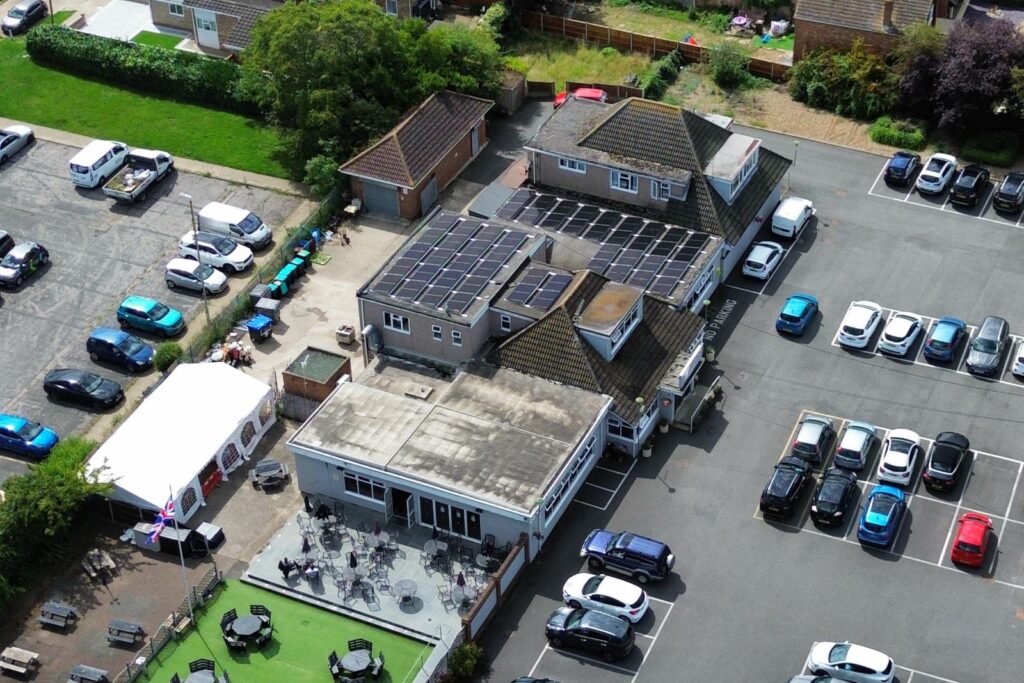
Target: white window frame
[624, 182]
[456, 338]
[206, 24]
[435, 332]
[176, 9]
[573, 473]
[377, 488]
[661, 189]
[505, 323]
[391, 7]
[396, 323]
[573, 165]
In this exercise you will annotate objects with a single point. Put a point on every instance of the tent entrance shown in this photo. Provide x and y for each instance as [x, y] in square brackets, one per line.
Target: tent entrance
[210, 477]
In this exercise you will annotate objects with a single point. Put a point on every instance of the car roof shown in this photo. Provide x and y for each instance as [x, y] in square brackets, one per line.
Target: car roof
[12, 421]
[797, 304]
[108, 334]
[812, 424]
[68, 373]
[143, 303]
[791, 462]
[186, 264]
[885, 489]
[973, 528]
[791, 207]
[617, 588]
[945, 328]
[954, 438]
[641, 544]
[990, 322]
[904, 434]
[1013, 181]
[860, 311]
[901, 323]
[856, 435]
[606, 623]
[873, 659]
[19, 250]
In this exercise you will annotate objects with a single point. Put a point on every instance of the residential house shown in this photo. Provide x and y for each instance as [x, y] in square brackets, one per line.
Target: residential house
[401, 174]
[221, 27]
[407, 9]
[878, 23]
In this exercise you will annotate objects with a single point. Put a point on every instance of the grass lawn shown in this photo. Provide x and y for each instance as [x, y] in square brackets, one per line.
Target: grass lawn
[164, 40]
[62, 16]
[39, 95]
[303, 637]
[549, 58]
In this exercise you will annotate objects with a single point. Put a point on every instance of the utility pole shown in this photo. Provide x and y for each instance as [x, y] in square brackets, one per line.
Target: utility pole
[199, 254]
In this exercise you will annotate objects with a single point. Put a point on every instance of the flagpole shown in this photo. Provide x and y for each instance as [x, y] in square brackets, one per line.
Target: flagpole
[181, 556]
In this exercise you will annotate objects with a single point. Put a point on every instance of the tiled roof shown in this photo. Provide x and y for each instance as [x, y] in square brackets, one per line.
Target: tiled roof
[553, 349]
[866, 15]
[247, 12]
[640, 129]
[412, 149]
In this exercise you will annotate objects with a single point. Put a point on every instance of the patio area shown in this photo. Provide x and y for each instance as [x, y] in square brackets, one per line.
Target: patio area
[403, 579]
[124, 20]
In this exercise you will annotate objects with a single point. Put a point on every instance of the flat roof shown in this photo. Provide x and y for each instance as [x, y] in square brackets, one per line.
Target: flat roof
[608, 307]
[492, 434]
[731, 156]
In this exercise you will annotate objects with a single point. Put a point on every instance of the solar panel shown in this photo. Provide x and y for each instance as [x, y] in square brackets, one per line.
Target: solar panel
[663, 285]
[652, 229]
[618, 236]
[515, 204]
[550, 290]
[629, 257]
[545, 201]
[459, 302]
[641, 242]
[602, 226]
[603, 258]
[558, 215]
[388, 283]
[632, 224]
[529, 283]
[433, 297]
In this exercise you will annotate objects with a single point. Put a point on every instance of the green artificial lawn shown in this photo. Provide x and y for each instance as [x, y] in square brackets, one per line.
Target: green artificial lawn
[40, 95]
[163, 40]
[303, 638]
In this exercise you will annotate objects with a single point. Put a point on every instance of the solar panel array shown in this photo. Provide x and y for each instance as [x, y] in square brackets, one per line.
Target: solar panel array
[539, 288]
[450, 263]
[646, 254]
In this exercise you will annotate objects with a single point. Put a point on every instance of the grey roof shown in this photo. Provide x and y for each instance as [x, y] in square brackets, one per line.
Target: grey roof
[247, 12]
[866, 15]
[491, 434]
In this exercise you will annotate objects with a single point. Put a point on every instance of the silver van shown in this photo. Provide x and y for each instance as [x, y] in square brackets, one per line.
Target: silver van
[97, 162]
[240, 225]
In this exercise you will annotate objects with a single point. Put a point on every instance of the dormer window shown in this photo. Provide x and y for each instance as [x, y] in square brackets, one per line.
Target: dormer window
[625, 325]
[733, 165]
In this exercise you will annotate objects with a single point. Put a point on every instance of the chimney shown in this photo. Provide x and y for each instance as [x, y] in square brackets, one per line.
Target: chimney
[887, 17]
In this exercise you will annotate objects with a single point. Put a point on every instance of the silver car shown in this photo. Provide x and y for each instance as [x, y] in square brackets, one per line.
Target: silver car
[218, 251]
[13, 139]
[193, 275]
[855, 447]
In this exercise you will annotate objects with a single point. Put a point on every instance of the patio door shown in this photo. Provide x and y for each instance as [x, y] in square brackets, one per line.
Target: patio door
[410, 511]
[205, 25]
[389, 505]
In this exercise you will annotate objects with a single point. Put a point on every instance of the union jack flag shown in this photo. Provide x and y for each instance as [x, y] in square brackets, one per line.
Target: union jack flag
[163, 518]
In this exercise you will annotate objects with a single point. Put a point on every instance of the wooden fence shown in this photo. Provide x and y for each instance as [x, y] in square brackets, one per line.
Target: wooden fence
[615, 92]
[636, 42]
[540, 89]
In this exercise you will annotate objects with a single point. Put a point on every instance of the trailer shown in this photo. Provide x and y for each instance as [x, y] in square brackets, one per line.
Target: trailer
[142, 168]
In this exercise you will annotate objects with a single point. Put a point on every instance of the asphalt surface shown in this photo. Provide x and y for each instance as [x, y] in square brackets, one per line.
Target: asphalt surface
[100, 252]
[749, 597]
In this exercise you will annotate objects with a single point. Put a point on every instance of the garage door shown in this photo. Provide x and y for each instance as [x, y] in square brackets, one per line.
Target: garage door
[428, 196]
[382, 199]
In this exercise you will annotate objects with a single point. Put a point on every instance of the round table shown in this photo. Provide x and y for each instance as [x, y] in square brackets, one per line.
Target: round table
[356, 661]
[201, 677]
[487, 562]
[406, 589]
[246, 626]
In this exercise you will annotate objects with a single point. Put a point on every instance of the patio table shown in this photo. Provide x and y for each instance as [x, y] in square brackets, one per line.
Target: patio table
[406, 589]
[246, 626]
[87, 674]
[487, 562]
[203, 677]
[356, 661]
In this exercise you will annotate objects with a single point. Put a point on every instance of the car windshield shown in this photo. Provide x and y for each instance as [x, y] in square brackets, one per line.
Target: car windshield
[159, 310]
[900, 445]
[944, 459]
[131, 346]
[203, 271]
[16, 13]
[223, 245]
[838, 652]
[936, 166]
[29, 431]
[985, 345]
[591, 585]
[968, 547]
[91, 383]
[575, 619]
[755, 265]
[790, 318]
[11, 261]
[250, 224]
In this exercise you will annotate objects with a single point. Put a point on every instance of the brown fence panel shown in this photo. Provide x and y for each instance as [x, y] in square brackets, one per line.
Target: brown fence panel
[615, 92]
[540, 89]
[767, 69]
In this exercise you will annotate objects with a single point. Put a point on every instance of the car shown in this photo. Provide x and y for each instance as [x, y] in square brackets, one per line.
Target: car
[595, 94]
[149, 315]
[901, 167]
[881, 516]
[531, 679]
[971, 541]
[796, 314]
[1018, 362]
[25, 437]
[792, 216]
[937, 174]
[812, 679]
[832, 497]
[987, 349]
[21, 261]
[610, 637]
[183, 272]
[781, 492]
[763, 259]
[859, 324]
[215, 250]
[1009, 196]
[899, 456]
[120, 348]
[606, 594]
[944, 339]
[13, 139]
[23, 16]
[813, 436]
[645, 559]
[83, 387]
[900, 333]
[970, 185]
[854, 449]
[945, 461]
[849, 662]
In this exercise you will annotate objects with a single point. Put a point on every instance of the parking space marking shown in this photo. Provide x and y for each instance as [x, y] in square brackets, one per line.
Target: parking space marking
[603, 488]
[1009, 506]
[614, 492]
[584, 658]
[654, 639]
[806, 672]
[785, 254]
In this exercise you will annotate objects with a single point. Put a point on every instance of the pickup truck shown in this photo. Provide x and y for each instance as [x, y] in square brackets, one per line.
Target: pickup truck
[142, 168]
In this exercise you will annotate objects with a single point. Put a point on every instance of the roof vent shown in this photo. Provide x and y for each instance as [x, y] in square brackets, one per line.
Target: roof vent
[420, 391]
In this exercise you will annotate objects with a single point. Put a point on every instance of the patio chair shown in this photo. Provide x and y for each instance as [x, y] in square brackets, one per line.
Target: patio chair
[445, 594]
[334, 663]
[488, 545]
[235, 644]
[392, 545]
[428, 552]
[227, 618]
[264, 636]
[378, 666]
[360, 644]
[262, 612]
[175, 678]
[384, 585]
[200, 665]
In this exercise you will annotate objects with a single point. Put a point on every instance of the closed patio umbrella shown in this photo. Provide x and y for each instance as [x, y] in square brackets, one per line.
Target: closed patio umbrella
[461, 580]
[352, 560]
[376, 528]
[305, 545]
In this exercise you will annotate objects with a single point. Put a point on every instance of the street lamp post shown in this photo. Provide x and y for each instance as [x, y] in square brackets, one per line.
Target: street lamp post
[51, 12]
[199, 254]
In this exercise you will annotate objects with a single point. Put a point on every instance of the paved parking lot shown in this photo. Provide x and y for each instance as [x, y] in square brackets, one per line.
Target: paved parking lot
[100, 252]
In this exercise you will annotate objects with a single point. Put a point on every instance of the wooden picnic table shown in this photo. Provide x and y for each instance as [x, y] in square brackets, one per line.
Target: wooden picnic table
[100, 559]
[56, 614]
[123, 632]
[87, 674]
[17, 660]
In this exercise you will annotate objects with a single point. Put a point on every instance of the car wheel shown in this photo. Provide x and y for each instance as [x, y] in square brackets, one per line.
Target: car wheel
[170, 284]
[555, 642]
[608, 656]
[819, 672]
[18, 281]
[574, 604]
[3, 159]
[102, 182]
[595, 564]
[94, 356]
[31, 138]
[641, 578]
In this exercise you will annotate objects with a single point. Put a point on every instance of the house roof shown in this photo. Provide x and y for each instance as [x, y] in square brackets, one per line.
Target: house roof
[247, 12]
[866, 15]
[554, 349]
[411, 150]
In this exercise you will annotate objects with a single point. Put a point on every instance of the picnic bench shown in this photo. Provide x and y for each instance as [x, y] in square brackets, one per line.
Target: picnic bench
[87, 674]
[56, 614]
[123, 632]
[17, 660]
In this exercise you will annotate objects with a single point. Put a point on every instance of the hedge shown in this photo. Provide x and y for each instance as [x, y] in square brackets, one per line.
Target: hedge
[170, 73]
[996, 148]
[660, 75]
[886, 131]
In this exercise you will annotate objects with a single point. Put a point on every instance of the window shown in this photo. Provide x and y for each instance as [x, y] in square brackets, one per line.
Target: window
[396, 322]
[177, 10]
[661, 190]
[456, 338]
[626, 182]
[364, 487]
[206, 25]
[619, 428]
[391, 7]
[573, 473]
[188, 500]
[248, 431]
[435, 331]
[450, 518]
[573, 165]
[229, 457]
[426, 511]
[506, 323]
[621, 328]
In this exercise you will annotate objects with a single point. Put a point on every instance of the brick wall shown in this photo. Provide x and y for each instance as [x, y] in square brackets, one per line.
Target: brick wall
[811, 36]
[161, 13]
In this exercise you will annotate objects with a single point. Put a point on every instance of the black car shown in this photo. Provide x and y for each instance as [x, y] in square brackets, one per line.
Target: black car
[6, 243]
[23, 16]
[780, 494]
[970, 185]
[20, 262]
[608, 636]
[1010, 195]
[833, 495]
[902, 167]
[82, 387]
[987, 349]
[946, 461]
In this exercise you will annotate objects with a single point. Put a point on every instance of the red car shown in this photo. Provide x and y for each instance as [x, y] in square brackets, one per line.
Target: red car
[971, 541]
[595, 94]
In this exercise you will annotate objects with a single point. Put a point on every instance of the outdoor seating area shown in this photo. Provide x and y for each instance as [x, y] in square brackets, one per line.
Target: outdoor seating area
[88, 674]
[18, 661]
[124, 633]
[201, 671]
[57, 615]
[239, 631]
[99, 565]
[357, 664]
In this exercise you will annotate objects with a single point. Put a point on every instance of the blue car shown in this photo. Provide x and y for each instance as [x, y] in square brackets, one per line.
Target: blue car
[150, 315]
[881, 517]
[901, 167]
[645, 559]
[944, 340]
[796, 314]
[120, 348]
[26, 437]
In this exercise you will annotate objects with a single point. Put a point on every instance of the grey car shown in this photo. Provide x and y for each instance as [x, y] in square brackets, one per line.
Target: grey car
[812, 439]
[988, 346]
[23, 16]
[13, 139]
[854, 449]
[193, 275]
[812, 679]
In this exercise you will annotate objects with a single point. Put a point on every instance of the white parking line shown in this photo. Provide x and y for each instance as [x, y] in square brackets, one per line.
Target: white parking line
[657, 633]
[585, 658]
[603, 488]
[614, 492]
[785, 254]
[1009, 506]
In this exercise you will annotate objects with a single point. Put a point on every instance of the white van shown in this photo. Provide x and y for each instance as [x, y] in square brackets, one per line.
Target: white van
[238, 224]
[792, 216]
[97, 162]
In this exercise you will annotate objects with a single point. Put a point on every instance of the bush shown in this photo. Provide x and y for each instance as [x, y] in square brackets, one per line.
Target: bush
[171, 73]
[660, 75]
[465, 662]
[618, 3]
[609, 52]
[897, 133]
[166, 354]
[995, 148]
[857, 83]
[727, 65]
[717, 22]
[499, 22]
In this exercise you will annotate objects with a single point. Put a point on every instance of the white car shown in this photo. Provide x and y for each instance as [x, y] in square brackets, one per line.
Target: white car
[1018, 362]
[183, 272]
[849, 662]
[763, 259]
[937, 174]
[606, 594]
[792, 216]
[900, 333]
[218, 251]
[13, 139]
[859, 324]
[900, 451]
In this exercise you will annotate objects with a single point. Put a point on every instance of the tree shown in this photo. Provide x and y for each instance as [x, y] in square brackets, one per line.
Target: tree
[727, 64]
[857, 83]
[917, 58]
